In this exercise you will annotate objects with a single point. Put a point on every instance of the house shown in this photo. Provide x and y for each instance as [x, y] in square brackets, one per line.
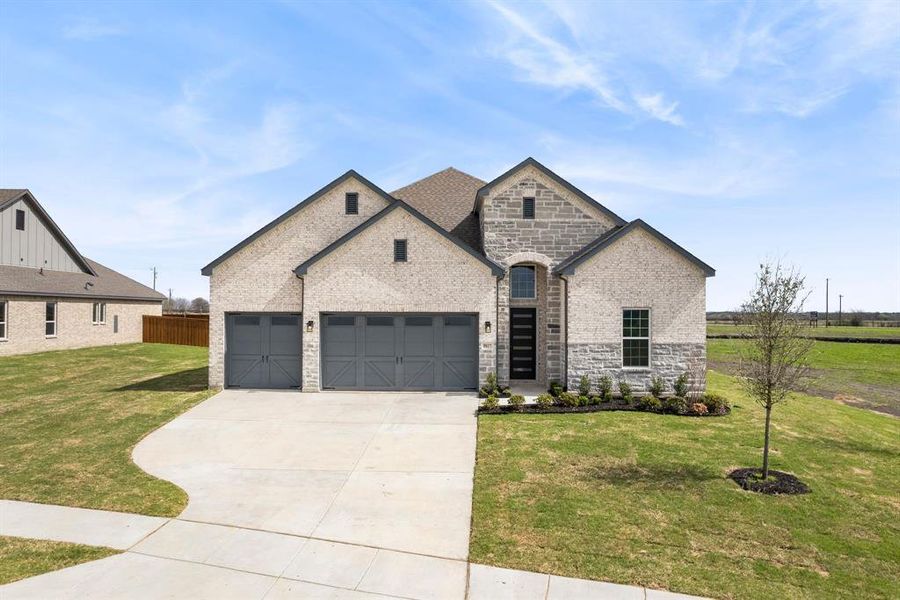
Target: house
[448, 279]
[52, 297]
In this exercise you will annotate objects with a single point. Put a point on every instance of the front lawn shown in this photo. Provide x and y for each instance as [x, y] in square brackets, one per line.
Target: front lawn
[21, 558]
[70, 419]
[643, 499]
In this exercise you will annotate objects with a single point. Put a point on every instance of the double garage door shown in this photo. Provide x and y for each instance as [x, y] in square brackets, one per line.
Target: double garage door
[399, 352]
[359, 351]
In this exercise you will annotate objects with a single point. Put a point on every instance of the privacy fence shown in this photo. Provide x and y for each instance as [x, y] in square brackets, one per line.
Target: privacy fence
[187, 330]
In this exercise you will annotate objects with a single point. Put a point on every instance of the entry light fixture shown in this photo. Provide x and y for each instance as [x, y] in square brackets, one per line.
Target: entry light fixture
[487, 326]
[309, 326]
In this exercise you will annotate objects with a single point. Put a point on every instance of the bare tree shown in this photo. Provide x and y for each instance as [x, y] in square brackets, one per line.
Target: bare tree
[199, 305]
[773, 361]
[176, 305]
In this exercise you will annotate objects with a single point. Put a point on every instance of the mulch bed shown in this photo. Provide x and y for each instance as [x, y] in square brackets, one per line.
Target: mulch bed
[609, 406]
[778, 482]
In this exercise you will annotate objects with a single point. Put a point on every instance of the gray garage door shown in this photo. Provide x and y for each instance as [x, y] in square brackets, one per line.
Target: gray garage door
[262, 351]
[399, 352]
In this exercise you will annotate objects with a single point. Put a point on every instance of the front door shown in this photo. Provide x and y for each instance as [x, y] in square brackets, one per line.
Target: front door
[522, 343]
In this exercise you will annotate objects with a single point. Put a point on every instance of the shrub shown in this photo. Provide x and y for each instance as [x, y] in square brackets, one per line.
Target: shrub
[593, 400]
[490, 381]
[504, 392]
[584, 386]
[568, 399]
[673, 405]
[555, 389]
[657, 387]
[516, 401]
[698, 408]
[490, 402]
[716, 403]
[544, 400]
[583, 400]
[605, 387]
[649, 403]
[625, 392]
[681, 385]
[490, 387]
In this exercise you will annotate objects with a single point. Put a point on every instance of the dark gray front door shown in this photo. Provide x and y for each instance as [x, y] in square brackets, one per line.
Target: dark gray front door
[394, 352]
[522, 343]
[263, 351]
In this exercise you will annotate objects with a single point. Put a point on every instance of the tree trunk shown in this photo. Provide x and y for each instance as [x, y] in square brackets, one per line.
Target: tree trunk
[765, 468]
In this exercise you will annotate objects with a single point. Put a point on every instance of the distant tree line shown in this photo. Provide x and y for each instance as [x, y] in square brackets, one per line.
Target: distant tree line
[182, 305]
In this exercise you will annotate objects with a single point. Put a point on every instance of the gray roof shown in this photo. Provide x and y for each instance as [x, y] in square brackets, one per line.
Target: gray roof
[302, 268]
[446, 198]
[105, 285]
[567, 267]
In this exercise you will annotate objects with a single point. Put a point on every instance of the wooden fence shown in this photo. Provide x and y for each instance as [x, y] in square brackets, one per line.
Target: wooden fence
[192, 331]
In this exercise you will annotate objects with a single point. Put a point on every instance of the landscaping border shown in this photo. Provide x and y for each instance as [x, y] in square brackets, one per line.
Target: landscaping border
[592, 408]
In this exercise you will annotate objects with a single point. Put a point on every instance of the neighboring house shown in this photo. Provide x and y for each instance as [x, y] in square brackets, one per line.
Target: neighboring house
[450, 278]
[52, 297]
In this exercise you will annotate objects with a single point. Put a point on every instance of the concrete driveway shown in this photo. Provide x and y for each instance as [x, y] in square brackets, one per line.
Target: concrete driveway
[386, 470]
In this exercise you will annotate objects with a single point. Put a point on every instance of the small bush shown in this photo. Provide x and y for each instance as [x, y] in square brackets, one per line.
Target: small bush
[657, 387]
[698, 408]
[584, 386]
[681, 385]
[490, 402]
[673, 405]
[605, 386]
[625, 392]
[490, 381]
[504, 392]
[517, 401]
[716, 403]
[555, 389]
[583, 400]
[593, 400]
[544, 400]
[649, 403]
[568, 399]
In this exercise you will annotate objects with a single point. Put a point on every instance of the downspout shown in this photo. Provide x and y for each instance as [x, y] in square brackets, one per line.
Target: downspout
[565, 340]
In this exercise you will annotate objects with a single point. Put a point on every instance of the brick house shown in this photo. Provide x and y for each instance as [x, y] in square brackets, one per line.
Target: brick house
[441, 282]
[52, 297]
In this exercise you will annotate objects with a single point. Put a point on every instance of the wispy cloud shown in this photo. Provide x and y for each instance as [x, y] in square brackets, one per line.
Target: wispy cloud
[87, 29]
[657, 107]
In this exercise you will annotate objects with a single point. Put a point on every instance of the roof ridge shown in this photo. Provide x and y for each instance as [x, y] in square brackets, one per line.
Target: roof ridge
[435, 174]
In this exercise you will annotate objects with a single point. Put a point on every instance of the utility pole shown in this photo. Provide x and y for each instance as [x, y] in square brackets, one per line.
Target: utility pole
[154, 278]
[826, 302]
[840, 309]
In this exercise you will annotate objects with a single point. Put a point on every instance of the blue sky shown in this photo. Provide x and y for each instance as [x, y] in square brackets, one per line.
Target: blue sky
[164, 133]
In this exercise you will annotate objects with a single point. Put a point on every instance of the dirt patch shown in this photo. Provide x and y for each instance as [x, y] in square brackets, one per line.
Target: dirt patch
[778, 482]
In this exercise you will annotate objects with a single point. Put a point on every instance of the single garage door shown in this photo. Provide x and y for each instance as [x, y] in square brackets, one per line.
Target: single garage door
[262, 350]
[399, 352]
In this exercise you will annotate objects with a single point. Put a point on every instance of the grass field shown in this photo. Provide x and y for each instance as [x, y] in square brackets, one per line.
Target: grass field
[821, 331]
[21, 558]
[865, 375]
[70, 419]
[643, 499]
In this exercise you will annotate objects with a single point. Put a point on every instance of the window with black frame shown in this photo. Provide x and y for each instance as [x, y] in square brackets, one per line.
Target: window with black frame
[636, 337]
[521, 282]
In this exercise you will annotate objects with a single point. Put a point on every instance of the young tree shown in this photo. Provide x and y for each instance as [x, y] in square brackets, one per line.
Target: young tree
[773, 361]
[199, 305]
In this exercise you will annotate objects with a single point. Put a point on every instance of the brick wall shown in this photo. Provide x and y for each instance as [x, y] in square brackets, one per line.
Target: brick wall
[362, 276]
[636, 271]
[26, 333]
[260, 277]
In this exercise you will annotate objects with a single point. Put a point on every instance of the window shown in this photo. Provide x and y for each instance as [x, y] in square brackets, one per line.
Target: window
[351, 203]
[636, 337]
[50, 320]
[20, 220]
[3, 309]
[399, 250]
[527, 208]
[98, 314]
[521, 282]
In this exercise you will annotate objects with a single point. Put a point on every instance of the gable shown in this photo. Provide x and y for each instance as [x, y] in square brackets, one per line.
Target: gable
[41, 244]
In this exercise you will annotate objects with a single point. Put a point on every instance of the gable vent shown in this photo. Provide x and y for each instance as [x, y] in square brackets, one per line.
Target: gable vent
[527, 208]
[399, 250]
[351, 203]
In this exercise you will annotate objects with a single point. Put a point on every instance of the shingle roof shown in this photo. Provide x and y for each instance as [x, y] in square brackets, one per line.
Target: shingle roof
[107, 284]
[446, 198]
[9, 194]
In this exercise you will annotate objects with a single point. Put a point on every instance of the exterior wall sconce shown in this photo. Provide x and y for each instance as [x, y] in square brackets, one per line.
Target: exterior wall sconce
[487, 326]
[309, 326]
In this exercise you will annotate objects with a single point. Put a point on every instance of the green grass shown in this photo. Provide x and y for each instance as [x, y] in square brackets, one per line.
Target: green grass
[643, 499]
[865, 375]
[21, 558]
[70, 419]
[821, 331]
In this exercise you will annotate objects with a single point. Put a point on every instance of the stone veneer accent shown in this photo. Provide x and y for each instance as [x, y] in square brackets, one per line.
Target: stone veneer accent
[74, 329]
[636, 271]
[260, 276]
[361, 276]
[562, 224]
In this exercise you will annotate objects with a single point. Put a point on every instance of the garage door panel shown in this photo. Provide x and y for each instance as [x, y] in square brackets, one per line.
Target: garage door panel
[340, 373]
[418, 373]
[379, 373]
[283, 336]
[458, 373]
[263, 351]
